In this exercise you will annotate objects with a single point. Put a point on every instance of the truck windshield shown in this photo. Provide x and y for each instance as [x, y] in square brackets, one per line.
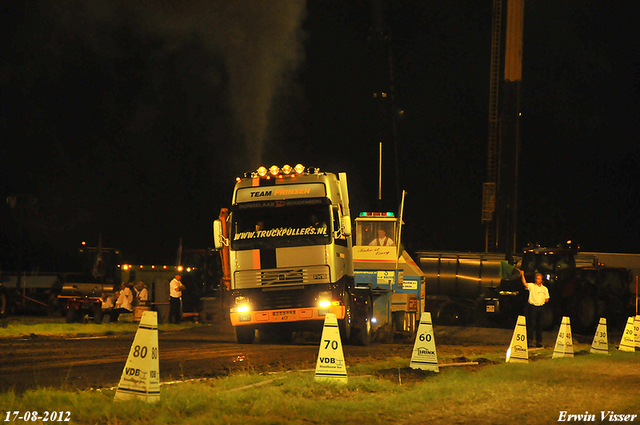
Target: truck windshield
[273, 224]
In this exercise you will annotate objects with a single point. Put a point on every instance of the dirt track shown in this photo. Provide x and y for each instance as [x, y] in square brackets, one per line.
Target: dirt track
[206, 351]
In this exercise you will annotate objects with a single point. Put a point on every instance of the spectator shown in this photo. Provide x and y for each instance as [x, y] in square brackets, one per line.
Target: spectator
[175, 299]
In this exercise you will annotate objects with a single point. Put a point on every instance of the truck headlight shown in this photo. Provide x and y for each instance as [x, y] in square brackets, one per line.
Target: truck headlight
[242, 305]
[324, 299]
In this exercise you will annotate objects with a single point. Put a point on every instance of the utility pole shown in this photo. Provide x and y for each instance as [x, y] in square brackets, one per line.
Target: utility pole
[500, 192]
[385, 115]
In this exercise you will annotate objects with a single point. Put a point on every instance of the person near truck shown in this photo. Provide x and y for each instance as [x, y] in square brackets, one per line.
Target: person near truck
[123, 303]
[538, 297]
[143, 294]
[106, 305]
[175, 299]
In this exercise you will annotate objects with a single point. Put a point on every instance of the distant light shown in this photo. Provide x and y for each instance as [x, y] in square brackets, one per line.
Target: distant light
[84, 243]
[180, 268]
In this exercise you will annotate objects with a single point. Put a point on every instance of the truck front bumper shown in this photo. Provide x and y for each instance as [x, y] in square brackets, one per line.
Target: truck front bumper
[284, 315]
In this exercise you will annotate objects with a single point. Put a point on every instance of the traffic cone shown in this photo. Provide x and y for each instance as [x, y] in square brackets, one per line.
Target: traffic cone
[330, 365]
[141, 374]
[564, 342]
[600, 343]
[424, 350]
[636, 331]
[518, 350]
[628, 343]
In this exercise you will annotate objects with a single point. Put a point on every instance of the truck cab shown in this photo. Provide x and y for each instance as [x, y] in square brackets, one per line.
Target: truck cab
[288, 237]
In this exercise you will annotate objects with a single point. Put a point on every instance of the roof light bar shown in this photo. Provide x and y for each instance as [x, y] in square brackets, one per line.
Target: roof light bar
[377, 214]
[275, 171]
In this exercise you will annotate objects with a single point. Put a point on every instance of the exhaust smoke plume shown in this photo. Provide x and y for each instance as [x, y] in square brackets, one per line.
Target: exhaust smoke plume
[259, 42]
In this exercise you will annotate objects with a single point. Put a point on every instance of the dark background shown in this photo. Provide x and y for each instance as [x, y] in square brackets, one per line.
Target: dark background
[132, 119]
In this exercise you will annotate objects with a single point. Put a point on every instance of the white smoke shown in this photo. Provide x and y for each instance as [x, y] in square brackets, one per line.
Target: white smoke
[261, 43]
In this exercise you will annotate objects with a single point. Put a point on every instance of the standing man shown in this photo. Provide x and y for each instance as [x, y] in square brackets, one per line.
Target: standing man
[175, 299]
[538, 297]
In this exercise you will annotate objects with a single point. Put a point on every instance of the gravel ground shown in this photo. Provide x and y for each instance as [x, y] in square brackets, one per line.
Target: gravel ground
[210, 350]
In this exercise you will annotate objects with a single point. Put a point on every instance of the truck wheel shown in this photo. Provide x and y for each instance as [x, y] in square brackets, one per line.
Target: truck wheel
[451, 314]
[245, 334]
[584, 313]
[362, 335]
[71, 315]
[345, 324]
[397, 318]
[3, 304]
[547, 319]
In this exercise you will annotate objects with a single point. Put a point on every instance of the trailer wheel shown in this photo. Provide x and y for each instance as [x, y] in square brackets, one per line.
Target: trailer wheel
[245, 334]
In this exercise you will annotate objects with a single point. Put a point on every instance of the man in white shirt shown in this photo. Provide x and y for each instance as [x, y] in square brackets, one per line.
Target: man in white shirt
[175, 299]
[538, 297]
[123, 303]
[143, 293]
[106, 304]
[382, 239]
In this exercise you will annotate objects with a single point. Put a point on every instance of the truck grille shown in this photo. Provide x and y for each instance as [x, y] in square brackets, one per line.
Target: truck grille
[279, 277]
[277, 300]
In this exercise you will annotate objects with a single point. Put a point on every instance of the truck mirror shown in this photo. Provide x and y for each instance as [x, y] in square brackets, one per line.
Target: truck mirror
[217, 234]
[346, 225]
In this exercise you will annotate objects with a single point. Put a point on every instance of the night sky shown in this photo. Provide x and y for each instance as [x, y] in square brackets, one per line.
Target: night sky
[132, 119]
